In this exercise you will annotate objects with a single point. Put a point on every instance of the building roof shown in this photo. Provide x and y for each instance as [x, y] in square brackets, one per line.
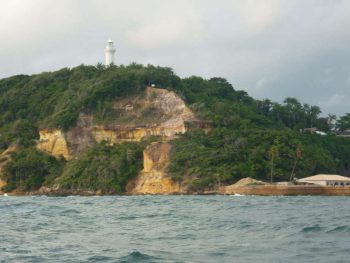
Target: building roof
[325, 177]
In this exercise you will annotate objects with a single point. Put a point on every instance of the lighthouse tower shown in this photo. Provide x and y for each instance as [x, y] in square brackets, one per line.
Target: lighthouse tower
[109, 53]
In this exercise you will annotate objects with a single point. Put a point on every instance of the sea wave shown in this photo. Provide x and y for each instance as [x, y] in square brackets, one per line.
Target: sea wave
[340, 229]
[138, 257]
[312, 229]
[173, 229]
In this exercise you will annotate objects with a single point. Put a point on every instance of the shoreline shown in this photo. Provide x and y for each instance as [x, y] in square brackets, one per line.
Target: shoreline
[257, 190]
[287, 190]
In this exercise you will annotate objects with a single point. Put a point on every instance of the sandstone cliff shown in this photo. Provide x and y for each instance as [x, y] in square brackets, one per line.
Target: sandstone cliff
[54, 142]
[155, 112]
[2, 184]
[153, 178]
[5, 157]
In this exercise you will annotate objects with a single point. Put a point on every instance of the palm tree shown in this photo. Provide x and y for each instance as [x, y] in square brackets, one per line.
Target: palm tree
[298, 154]
[331, 119]
[273, 154]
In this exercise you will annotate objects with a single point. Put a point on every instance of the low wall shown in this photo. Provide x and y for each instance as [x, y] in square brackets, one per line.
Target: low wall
[289, 190]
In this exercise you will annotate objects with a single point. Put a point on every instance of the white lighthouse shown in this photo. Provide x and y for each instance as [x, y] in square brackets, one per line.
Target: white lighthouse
[109, 53]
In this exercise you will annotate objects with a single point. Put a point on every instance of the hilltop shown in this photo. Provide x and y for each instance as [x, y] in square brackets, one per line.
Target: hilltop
[142, 129]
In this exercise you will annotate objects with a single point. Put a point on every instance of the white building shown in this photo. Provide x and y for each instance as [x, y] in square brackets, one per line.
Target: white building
[326, 180]
[345, 133]
[109, 53]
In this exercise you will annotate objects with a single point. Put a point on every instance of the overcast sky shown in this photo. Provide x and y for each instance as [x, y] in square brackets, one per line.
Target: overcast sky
[269, 48]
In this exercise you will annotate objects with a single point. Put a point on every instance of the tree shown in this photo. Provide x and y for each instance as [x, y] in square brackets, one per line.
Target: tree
[100, 66]
[343, 123]
[273, 154]
[293, 107]
[264, 106]
[312, 115]
[298, 154]
[331, 119]
[29, 168]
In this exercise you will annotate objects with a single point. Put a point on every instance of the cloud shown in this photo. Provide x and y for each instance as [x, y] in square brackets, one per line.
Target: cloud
[261, 14]
[337, 102]
[31, 24]
[270, 48]
[336, 99]
[166, 32]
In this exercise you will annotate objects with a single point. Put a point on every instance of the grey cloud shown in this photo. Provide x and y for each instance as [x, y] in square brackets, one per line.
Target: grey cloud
[270, 48]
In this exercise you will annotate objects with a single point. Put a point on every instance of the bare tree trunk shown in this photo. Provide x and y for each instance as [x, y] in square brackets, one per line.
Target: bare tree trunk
[292, 174]
[272, 166]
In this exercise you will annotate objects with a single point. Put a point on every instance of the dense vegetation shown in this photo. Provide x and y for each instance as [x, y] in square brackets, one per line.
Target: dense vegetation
[29, 169]
[104, 168]
[260, 139]
[225, 156]
[56, 99]
[256, 138]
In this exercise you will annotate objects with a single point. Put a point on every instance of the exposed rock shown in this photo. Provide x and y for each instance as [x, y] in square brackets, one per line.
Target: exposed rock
[153, 178]
[156, 157]
[248, 181]
[5, 157]
[54, 142]
[158, 112]
[57, 191]
[2, 184]
[155, 112]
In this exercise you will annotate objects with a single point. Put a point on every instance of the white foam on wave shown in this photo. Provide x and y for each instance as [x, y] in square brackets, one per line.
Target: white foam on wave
[237, 195]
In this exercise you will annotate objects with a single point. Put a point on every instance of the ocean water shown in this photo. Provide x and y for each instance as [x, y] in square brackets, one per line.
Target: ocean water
[175, 229]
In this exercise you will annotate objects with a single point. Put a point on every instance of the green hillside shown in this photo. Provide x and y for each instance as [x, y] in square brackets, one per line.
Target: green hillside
[255, 138]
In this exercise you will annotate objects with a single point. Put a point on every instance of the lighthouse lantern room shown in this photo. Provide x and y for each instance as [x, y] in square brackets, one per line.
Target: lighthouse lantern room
[109, 53]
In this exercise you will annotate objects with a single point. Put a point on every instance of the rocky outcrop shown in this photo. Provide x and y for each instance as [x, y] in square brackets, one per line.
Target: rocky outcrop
[2, 184]
[53, 141]
[135, 134]
[153, 178]
[247, 181]
[55, 190]
[156, 112]
[5, 157]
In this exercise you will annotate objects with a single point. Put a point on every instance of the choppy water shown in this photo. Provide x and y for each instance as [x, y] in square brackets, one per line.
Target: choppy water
[175, 229]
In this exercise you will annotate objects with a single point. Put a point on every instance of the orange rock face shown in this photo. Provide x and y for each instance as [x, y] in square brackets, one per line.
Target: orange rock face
[156, 112]
[54, 142]
[153, 178]
[2, 184]
[5, 157]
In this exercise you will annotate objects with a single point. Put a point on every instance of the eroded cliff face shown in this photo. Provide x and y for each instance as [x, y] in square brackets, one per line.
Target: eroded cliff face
[5, 157]
[53, 141]
[153, 178]
[2, 184]
[155, 112]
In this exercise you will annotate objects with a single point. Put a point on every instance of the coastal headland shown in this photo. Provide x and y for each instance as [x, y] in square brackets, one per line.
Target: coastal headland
[143, 130]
